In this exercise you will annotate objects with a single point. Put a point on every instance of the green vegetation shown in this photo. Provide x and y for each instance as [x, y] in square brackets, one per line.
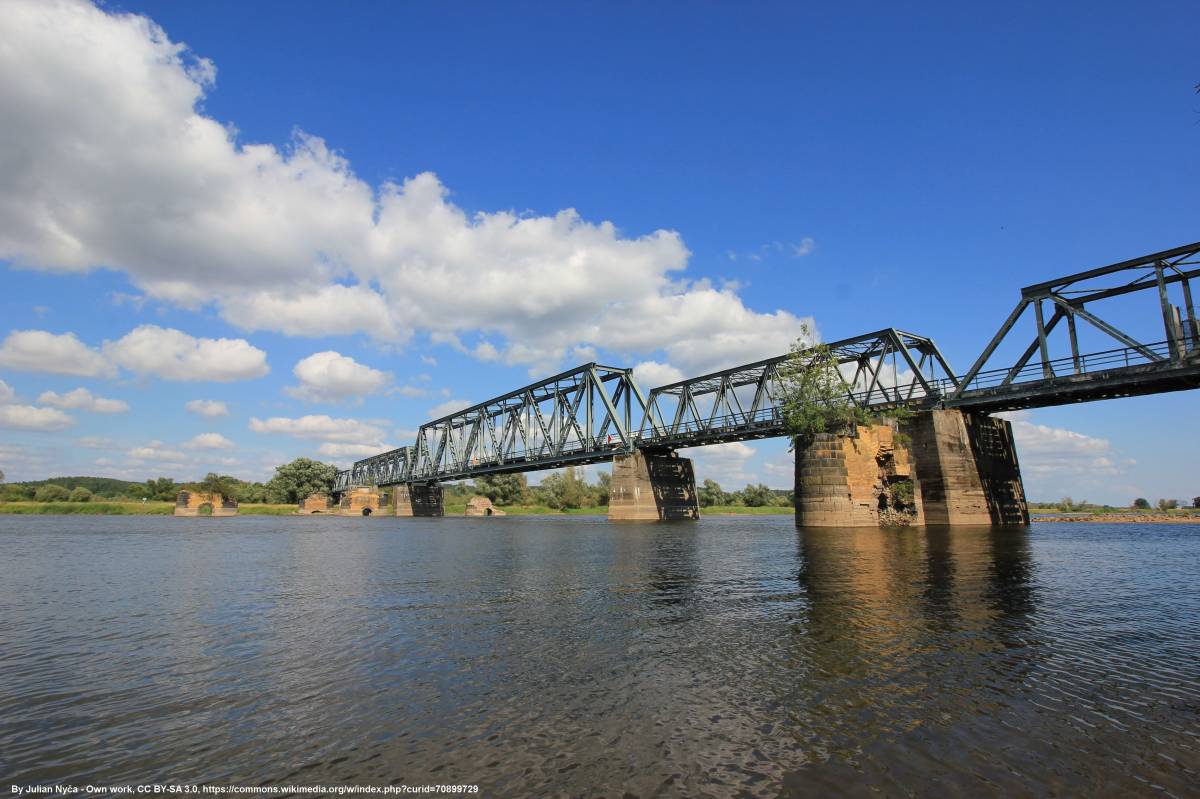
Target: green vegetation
[815, 399]
[564, 491]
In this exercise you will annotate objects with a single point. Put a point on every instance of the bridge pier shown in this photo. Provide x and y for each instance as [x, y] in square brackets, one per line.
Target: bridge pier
[652, 486]
[418, 499]
[866, 480]
[960, 469]
[968, 470]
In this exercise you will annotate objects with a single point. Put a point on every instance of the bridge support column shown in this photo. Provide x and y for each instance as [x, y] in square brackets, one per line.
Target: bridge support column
[652, 486]
[865, 480]
[968, 470]
[418, 499]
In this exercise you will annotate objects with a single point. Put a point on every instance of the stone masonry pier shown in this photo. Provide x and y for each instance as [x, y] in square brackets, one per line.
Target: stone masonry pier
[960, 469]
[419, 499]
[652, 486]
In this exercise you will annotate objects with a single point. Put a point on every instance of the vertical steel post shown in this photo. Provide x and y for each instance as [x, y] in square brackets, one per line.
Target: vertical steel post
[1074, 342]
[1173, 343]
[1193, 331]
[1047, 372]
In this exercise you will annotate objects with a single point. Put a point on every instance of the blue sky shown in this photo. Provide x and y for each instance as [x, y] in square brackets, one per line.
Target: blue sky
[387, 188]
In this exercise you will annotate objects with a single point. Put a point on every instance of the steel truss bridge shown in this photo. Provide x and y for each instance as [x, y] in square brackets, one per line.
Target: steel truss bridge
[592, 413]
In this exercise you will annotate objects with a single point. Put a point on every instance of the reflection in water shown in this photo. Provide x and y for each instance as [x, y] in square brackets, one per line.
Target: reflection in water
[736, 656]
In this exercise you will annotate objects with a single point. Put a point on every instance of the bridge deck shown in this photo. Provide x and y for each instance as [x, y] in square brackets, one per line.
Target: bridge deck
[593, 413]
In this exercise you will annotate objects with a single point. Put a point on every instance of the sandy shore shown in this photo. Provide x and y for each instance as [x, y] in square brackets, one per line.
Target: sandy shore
[1126, 518]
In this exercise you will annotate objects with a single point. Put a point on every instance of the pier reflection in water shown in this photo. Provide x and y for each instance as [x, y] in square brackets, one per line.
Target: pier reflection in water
[732, 656]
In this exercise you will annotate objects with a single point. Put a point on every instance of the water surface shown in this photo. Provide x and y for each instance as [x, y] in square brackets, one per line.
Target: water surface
[574, 657]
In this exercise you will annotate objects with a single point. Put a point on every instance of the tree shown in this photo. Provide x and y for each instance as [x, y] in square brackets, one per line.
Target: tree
[564, 489]
[1, 475]
[1196, 502]
[757, 496]
[1066, 504]
[15, 492]
[710, 494]
[502, 489]
[52, 493]
[214, 483]
[1141, 503]
[297, 480]
[162, 488]
[1168, 504]
[604, 487]
[81, 494]
[815, 399]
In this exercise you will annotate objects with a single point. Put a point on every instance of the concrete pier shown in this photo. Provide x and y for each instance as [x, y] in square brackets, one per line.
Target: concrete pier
[961, 469]
[419, 499]
[199, 503]
[862, 481]
[315, 503]
[968, 470]
[652, 486]
[361, 501]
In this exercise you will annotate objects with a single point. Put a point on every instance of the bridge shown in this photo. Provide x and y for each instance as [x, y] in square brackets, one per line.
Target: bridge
[595, 413]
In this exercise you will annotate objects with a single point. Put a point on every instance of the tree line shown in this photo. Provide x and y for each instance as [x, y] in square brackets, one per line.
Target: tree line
[561, 490]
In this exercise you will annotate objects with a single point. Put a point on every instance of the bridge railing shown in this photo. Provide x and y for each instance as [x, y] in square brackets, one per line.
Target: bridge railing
[1088, 363]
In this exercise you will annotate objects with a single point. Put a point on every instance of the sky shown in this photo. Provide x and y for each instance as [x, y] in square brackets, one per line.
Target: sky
[233, 234]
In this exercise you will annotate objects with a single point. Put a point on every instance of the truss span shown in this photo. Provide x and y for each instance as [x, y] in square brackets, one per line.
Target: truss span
[593, 412]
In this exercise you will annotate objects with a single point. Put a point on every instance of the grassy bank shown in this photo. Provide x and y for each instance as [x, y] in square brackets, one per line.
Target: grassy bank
[125, 509]
[89, 508]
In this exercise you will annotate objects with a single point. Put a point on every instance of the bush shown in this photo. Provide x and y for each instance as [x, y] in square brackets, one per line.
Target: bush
[52, 493]
[81, 494]
[1141, 503]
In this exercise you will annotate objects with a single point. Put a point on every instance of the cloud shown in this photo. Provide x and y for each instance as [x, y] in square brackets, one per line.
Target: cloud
[155, 451]
[411, 392]
[289, 239]
[209, 441]
[335, 450]
[1058, 462]
[174, 355]
[28, 417]
[209, 408]
[51, 353]
[322, 428]
[726, 463]
[95, 442]
[652, 374]
[448, 407]
[805, 247]
[6, 392]
[82, 399]
[330, 377]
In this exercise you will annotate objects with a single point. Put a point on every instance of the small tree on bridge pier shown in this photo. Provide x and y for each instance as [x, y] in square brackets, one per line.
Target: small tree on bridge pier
[816, 398]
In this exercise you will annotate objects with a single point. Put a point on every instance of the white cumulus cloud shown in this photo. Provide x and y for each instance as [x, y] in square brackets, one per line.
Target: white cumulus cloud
[82, 399]
[174, 355]
[289, 239]
[209, 441]
[322, 428]
[209, 408]
[51, 353]
[652, 374]
[448, 407]
[330, 377]
[29, 417]
[6, 392]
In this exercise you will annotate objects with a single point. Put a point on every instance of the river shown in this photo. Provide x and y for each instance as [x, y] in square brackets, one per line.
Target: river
[736, 656]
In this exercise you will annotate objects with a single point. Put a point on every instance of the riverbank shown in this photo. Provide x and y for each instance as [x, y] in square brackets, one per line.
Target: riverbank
[124, 509]
[1124, 518]
[452, 509]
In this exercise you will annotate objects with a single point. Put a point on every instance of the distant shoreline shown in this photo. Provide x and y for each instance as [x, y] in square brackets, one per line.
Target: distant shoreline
[1124, 518]
[247, 509]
